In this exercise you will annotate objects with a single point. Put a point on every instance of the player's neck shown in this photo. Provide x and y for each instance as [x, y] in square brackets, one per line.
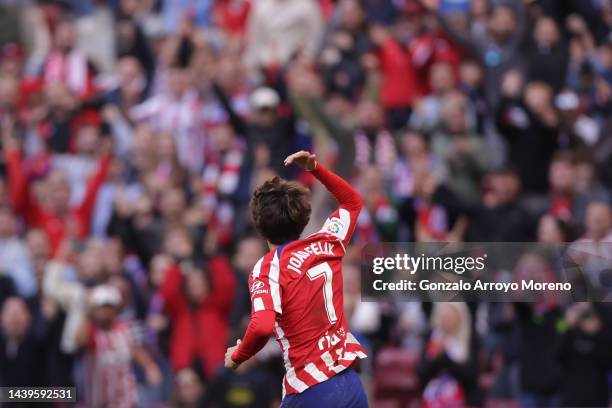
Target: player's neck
[272, 246]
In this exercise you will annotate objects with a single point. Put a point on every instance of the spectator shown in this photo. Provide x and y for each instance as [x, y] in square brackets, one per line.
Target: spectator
[249, 382]
[232, 16]
[224, 176]
[576, 128]
[190, 389]
[499, 207]
[68, 65]
[427, 114]
[111, 347]
[464, 152]
[598, 221]
[424, 219]
[539, 344]
[131, 90]
[449, 364]
[471, 84]
[270, 130]
[21, 351]
[177, 112]
[250, 249]
[591, 250]
[414, 154]
[57, 218]
[554, 230]
[344, 46]
[14, 255]
[373, 142]
[548, 55]
[378, 220]
[199, 305]
[273, 20]
[398, 78]
[565, 201]
[498, 49]
[131, 40]
[431, 46]
[529, 124]
[585, 358]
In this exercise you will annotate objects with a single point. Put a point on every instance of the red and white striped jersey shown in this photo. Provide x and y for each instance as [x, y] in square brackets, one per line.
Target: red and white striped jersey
[302, 282]
[110, 376]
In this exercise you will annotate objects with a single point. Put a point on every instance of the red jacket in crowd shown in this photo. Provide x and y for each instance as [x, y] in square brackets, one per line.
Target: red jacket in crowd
[429, 49]
[399, 83]
[201, 331]
[56, 226]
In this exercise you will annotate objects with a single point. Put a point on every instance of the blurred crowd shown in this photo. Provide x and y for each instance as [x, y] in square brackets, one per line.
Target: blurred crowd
[133, 132]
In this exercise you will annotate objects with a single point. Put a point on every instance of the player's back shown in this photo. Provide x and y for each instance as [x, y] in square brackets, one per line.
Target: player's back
[304, 278]
[301, 281]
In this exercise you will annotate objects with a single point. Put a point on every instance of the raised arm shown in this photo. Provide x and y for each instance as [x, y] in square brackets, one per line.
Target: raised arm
[235, 120]
[18, 185]
[341, 222]
[458, 36]
[223, 282]
[309, 106]
[171, 291]
[342, 191]
[71, 297]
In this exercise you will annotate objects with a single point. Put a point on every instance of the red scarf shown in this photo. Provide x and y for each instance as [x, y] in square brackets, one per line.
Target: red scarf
[220, 179]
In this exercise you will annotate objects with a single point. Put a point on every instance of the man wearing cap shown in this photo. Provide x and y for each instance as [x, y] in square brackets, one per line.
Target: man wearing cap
[111, 346]
[271, 131]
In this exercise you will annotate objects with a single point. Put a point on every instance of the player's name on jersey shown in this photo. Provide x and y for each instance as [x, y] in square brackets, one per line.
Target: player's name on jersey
[298, 257]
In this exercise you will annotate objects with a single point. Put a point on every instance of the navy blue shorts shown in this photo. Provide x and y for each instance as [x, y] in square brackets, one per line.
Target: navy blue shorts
[344, 390]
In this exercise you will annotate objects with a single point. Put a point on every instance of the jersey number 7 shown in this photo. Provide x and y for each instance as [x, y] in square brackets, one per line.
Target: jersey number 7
[325, 271]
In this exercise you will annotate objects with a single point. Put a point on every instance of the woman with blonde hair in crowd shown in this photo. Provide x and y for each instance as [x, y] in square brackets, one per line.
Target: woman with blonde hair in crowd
[449, 363]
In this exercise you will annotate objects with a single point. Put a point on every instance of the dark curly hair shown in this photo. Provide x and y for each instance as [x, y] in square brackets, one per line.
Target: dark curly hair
[280, 210]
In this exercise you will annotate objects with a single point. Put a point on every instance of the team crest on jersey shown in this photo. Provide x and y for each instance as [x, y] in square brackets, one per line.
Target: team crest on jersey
[334, 225]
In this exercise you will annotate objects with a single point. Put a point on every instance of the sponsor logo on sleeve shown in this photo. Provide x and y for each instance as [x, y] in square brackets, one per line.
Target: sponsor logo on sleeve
[257, 288]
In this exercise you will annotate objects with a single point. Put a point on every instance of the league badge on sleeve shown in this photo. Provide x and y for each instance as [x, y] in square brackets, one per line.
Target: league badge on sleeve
[333, 226]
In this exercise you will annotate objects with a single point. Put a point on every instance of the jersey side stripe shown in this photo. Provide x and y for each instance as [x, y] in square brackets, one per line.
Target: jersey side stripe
[315, 373]
[274, 277]
[257, 268]
[290, 375]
